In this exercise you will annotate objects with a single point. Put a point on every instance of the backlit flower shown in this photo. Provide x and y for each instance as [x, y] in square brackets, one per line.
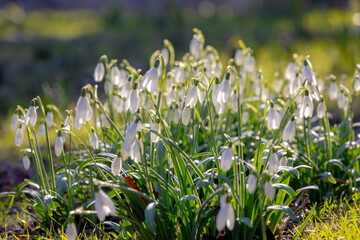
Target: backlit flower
[226, 215]
[104, 206]
[99, 72]
[307, 106]
[226, 159]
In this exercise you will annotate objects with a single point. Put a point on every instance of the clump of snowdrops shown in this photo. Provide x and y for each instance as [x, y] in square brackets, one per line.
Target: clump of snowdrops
[191, 148]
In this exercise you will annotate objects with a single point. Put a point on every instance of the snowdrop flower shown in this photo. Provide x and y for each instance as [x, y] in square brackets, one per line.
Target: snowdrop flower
[283, 161]
[133, 100]
[185, 116]
[104, 206]
[171, 96]
[195, 46]
[273, 118]
[59, 145]
[99, 72]
[177, 114]
[19, 136]
[31, 115]
[321, 109]
[71, 232]
[289, 130]
[357, 83]
[269, 191]
[42, 129]
[26, 162]
[50, 119]
[193, 96]
[155, 126]
[151, 78]
[94, 140]
[115, 75]
[226, 214]
[83, 110]
[290, 70]
[314, 93]
[342, 100]
[251, 184]
[238, 57]
[226, 159]
[307, 106]
[116, 166]
[273, 163]
[226, 88]
[307, 74]
[333, 90]
[135, 154]
[130, 132]
[165, 54]
[125, 90]
[249, 64]
[14, 121]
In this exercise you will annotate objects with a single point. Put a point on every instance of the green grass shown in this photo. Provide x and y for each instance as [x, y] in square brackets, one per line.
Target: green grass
[335, 220]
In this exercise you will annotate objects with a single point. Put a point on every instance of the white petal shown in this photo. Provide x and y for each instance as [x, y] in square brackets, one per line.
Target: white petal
[269, 191]
[185, 117]
[14, 122]
[26, 163]
[226, 159]
[230, 217]
[71, 232]
[273, 163]
[116, 166]
[221, 219]
[18, 137]
[59, 146]
[99, 72]
[99, 206]
[251, 184]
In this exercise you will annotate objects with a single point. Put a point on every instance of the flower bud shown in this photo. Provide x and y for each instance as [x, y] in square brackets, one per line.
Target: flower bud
[99, 72]
[226, 159]
[59, 145]
[273, 163]
[14, 121]
[269, 191]
[50, 119]
[116, 166]
[251, 184]
[19, 137]
[71, 232]
[26, 162]
[185, 117]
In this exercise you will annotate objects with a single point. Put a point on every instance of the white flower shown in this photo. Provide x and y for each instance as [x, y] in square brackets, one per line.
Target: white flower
[116, 166]
[104, 206]
[290, 71]
[273, 163]
[192, 96]
[171, 96]
[226, 88]
[195, 45]
[177, 115]
[14, 122]
[269, 191]
[238, 57]
[185, 116]
[58, 146]
[26, 163]
[130, 132]
[320, 110]
[31, 115]
[83, 110]
[333, 90]
[249, 64]
[165, 54]
[71, 232]
[307, 106]
[50, 119]
[19, 137]
[307, 74]
[226, 215]
[341, 100]
[218, 97]
[135, 154]
[42, 129]
[153, 136]
[273, 118]
[226, 159]
[251, 184]
[126, 149]
[115, 75]
[283, 161]
[94, 141]
[357, 83]
[314, 93]
[99, 72]
[289, 131]
[133, 101]
[151, 78]
[125, 91]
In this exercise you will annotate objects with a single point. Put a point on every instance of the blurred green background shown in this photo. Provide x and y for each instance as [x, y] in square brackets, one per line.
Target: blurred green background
[50, 48]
